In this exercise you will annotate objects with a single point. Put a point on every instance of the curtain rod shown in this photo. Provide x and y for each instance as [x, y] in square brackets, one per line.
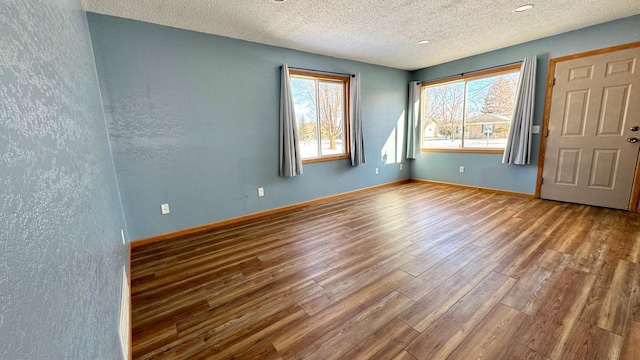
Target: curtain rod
[320, 71]
[470, 72]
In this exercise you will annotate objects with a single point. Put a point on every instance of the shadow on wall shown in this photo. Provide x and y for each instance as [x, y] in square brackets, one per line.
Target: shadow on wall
[391, 152]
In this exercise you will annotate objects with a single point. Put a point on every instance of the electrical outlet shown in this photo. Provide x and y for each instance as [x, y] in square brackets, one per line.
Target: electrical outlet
[376, 171]
[461, 169]
[164, 208]
[401, 167]
[260, 191]
[535, 129]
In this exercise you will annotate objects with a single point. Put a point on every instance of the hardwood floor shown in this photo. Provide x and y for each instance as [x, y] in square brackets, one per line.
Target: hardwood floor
[416, 271]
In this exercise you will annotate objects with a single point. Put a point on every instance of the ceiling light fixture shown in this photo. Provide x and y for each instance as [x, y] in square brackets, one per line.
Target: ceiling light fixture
[523, 8]
[422, 42]
[279, 1]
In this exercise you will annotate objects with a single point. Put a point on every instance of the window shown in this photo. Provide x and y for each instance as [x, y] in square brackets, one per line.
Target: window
[469, 114]
[322, 110]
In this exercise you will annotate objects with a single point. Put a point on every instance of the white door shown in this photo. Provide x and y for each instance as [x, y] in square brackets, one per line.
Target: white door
[594, 118]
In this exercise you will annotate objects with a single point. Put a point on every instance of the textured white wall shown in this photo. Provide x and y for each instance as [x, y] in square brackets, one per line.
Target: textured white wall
[60, 214]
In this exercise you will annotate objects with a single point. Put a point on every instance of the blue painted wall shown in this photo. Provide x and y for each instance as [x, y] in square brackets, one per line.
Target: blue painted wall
[486, 170]
[193, 121]
[61, 255]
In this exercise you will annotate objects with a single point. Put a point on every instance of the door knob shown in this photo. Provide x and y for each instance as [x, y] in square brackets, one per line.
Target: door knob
[632, 140]
[634, 128]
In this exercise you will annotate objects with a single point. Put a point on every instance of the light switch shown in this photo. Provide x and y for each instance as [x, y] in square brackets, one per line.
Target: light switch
[164, 208]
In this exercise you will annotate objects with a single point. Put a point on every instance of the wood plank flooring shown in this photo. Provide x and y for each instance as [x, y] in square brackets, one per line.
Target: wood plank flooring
[416, 271]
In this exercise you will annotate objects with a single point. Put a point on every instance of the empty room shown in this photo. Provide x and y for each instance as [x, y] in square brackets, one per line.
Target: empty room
[288, 179]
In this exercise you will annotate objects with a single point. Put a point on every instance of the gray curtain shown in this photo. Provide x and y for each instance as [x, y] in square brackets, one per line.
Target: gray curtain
[356, 135]
[518, 149]
[290, 158]
[413, 121]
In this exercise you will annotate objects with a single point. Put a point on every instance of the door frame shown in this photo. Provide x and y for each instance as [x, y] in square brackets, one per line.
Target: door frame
[635, 191]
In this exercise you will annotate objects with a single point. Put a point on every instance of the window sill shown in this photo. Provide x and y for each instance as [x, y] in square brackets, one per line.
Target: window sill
[326, 158]
[472, 150]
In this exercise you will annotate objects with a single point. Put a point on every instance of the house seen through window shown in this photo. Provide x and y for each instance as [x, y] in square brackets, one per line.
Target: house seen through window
[321, 108]
[473, 112]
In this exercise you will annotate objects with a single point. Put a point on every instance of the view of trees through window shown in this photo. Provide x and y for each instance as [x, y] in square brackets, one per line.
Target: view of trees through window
[469, 113]
[320, 113]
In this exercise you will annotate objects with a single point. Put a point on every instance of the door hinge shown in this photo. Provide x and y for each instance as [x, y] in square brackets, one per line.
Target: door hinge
[554, 82]
[547, 134]
[541, 181]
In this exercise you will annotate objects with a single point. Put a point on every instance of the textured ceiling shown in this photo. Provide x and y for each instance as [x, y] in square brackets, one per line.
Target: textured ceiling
[381, 32]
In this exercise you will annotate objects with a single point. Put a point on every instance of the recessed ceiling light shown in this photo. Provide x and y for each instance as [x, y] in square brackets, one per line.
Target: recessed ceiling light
[279, 1]
[422, 42]
[524, 8]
